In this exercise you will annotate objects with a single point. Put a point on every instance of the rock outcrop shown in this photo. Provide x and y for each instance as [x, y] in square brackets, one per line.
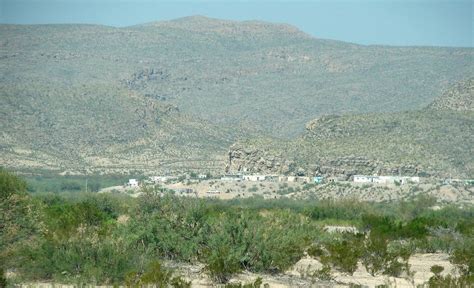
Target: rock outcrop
[260, 160]
[252, 159]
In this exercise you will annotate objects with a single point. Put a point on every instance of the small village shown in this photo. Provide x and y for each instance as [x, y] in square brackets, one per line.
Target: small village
[271, 186]
[367, 179]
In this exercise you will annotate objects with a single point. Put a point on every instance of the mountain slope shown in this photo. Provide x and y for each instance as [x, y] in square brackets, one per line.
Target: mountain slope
[270, 77]
[92, 126]
[427, 143]
[164, 92]
[459, 98]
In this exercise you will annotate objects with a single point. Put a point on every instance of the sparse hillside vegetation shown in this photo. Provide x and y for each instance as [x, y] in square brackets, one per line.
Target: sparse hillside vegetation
[176, 94]
[460, 97]
[431, 142]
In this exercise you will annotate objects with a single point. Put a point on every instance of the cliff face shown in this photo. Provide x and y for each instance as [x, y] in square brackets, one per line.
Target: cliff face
[246, 158]
[261, 160]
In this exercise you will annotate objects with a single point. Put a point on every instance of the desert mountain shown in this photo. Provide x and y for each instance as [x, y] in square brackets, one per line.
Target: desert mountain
[146, 95]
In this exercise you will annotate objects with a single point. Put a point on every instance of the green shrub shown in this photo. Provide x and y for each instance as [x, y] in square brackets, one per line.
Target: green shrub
[3, 278]
[254, 188]
[322, 274]
[436, 269]
[18, 216]
[346, 253]
[155, 275]
[256, 284]
[315, 251]
[449, 281]
[222, 262]
[76, 237]
[462, 256]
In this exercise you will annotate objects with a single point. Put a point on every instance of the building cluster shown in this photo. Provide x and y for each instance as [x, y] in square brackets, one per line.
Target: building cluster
[133, 183]
[322, 179]
[271, 178]
[160, 179]
[386, 179]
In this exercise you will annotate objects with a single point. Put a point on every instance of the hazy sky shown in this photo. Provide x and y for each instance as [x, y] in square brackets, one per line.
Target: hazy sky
[393, 22]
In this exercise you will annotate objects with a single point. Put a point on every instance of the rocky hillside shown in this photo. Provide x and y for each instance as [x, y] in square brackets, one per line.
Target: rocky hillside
[425, 143]
[116, 131]
[184, 90]
[458, 98]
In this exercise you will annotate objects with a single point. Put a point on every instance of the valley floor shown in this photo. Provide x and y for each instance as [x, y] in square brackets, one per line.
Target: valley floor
[226, 190]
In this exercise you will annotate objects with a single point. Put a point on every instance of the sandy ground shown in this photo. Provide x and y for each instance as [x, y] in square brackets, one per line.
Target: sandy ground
[300, 275]
[234, 189]
[420, 265]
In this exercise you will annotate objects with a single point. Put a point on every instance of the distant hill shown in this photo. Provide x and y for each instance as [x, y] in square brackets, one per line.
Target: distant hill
[426, 143]
[165, 93]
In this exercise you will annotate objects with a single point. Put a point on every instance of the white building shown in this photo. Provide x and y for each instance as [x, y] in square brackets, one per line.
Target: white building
[405, 180]
[253, 177]
[341, 229]
[133, 183]
[385, 179]
[162, 179]
[364, 179]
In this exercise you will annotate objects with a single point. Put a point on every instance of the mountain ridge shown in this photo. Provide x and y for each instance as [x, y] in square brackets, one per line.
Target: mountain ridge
[59, 78]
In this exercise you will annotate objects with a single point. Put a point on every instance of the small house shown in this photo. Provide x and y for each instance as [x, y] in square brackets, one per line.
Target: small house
[133, 183]
[366, 179]
[162, 179]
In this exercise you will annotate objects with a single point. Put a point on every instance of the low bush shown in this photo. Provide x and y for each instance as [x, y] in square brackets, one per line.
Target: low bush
[79, 237]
